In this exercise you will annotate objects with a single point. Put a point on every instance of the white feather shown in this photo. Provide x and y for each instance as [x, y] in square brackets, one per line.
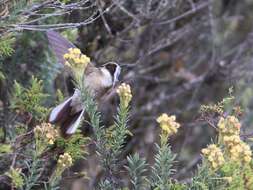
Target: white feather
[73, 126]
[77, 93]
[107, 80]
[116, 74]
[54, 113]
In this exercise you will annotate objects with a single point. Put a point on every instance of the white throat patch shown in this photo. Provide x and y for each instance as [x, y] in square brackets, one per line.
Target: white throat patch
[116, 74]
[107, 79]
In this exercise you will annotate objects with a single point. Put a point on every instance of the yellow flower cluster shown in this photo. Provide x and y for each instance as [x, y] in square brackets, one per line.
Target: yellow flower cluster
[168, 124]
[77, 61]
[64, 161]
[229, 129]
[229, 126]
[75, 57]
[231, 141]
[46, 133]
[237, 149]
[125, 94]
[214, 156]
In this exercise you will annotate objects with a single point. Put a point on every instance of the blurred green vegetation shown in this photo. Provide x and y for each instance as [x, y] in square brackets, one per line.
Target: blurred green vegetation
[178, 57]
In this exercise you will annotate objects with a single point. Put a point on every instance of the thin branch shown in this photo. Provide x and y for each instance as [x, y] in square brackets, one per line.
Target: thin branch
[186, 14]
[103, 18]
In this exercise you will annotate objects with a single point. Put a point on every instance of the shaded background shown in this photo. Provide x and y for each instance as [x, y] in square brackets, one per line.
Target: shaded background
[178, 55]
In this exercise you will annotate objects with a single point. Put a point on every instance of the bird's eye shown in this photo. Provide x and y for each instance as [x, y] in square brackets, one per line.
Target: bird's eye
[111, 68]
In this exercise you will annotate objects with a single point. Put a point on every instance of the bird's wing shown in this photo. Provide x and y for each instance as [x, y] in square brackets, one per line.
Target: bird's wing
[59, 44]
[59, 111]
[73, 125]
[68, 114]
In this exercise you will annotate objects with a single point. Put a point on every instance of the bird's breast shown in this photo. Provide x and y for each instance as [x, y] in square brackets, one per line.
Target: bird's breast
[96, 84]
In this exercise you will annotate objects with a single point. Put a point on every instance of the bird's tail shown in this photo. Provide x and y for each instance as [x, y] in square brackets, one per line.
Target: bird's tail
[62, 115]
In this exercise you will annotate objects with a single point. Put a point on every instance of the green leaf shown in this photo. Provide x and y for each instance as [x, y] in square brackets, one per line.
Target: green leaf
[137, 167]
[6, 43]
[30, 99]
[162, 169]
[5, 148]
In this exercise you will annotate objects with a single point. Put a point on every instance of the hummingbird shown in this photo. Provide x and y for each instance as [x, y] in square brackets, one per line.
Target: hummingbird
[98, 80]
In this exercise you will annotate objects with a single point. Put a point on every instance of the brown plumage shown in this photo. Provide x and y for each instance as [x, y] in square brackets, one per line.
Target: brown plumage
[97, 79]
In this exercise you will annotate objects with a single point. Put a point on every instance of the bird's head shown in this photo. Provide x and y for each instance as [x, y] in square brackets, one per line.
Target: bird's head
[114, 70]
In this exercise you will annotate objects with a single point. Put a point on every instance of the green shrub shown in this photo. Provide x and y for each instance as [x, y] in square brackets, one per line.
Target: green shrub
[226, 163]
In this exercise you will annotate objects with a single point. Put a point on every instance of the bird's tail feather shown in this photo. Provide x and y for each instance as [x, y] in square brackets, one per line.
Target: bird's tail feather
[61, 115]
[70, 125]
[60, 112]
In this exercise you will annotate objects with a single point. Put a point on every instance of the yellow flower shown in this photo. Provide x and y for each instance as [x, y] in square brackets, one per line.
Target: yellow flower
[125, 94]
[38, 130]
[84, 59]
[231, 141]
[238, 150]
[76, 51]
[66, 56]
[214, 156]
[46, 133]
[76, 60]
[168, 124]
[64, 161]
[205, 151]
[229, 126]
[247, 159]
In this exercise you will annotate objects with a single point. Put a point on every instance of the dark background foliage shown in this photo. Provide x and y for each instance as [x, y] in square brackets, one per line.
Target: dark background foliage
[175, 54]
